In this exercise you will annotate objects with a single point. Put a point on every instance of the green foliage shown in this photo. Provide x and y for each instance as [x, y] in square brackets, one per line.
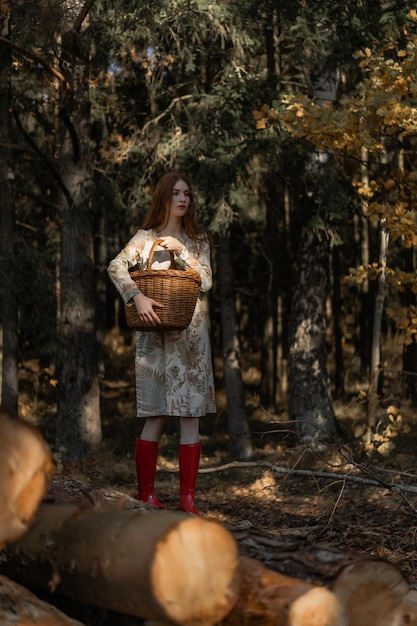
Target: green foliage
[174, 84]
[379, 117]
[186, 84]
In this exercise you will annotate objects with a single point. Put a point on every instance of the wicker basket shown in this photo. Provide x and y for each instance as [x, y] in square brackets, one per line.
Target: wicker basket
[176, 289]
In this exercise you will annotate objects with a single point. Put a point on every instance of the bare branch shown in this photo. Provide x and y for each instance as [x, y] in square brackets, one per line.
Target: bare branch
[38, 59]
[83, 14]
[49, 164]
[395, 487]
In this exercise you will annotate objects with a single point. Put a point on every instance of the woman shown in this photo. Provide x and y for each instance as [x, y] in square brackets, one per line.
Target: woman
[174, 375]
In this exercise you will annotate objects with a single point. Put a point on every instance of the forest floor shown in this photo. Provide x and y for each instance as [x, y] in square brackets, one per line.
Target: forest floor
[355, 496]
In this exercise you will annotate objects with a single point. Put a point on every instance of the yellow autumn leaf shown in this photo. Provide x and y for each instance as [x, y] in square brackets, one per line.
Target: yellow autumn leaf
[366, 192]
[261, 124]
[258, 114]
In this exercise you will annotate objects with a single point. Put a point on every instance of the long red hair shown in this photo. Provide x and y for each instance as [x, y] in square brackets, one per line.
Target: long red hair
[161, 200]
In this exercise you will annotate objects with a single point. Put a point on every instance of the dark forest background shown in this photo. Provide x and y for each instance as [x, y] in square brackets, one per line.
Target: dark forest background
[297, 124]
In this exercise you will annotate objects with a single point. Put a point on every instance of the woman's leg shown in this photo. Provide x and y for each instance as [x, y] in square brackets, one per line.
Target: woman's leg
[189, 430]
[146, 458]
[189, 460]
[153, 427]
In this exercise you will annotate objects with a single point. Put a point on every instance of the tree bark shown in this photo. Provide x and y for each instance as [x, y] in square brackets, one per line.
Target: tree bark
[171, 567]
[239, 438]
[410, 350]
[374, 369]
[310, 401]
[363, 236]
[272, 599]
[26, 468]
[9, 378]
[337, 315]
[78, 426]
[20, 607]
[270, 333]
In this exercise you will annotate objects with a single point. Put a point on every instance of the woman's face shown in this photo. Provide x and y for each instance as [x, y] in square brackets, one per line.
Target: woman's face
[180, 200]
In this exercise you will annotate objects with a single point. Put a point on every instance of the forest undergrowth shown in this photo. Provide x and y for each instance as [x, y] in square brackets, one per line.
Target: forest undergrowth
[355, 496]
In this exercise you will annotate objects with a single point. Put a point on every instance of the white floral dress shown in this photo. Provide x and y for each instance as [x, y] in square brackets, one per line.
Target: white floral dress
[174, 373]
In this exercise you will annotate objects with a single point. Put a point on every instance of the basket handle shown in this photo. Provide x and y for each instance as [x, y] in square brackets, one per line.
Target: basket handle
[155, 245]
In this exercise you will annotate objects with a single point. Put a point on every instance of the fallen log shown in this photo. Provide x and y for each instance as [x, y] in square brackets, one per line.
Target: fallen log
[343, 574]
[65, 489]
[267, 598]
[169, 567]
[26, 461]
[20, 607]
[369, 588]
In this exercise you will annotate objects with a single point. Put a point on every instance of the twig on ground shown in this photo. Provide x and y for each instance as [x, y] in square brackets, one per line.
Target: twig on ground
[397, 487]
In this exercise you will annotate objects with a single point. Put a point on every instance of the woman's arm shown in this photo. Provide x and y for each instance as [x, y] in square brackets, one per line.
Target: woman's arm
[118, 269]
[195, 255]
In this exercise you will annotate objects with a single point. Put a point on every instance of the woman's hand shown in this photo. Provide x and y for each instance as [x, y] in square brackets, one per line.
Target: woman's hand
[145, 308]
[172, 244]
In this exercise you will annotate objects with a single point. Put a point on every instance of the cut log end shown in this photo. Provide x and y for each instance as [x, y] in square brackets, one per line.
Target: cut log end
[26, 460]
[205, 584]
[370, 590]
[318, 607]
[403, 615]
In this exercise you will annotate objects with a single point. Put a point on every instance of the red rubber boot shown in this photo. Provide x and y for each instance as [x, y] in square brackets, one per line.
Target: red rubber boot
[189, 461]
[146, 456]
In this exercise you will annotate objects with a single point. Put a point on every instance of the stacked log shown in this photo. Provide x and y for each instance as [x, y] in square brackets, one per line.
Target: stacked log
[373, 592]
[169, 567]
[26, 468]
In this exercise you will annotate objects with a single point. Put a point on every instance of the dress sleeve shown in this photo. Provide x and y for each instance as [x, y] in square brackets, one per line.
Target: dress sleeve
[197, 257]
[118, 269]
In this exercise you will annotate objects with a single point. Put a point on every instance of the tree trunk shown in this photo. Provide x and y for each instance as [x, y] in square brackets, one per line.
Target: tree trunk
[273, 195]
[410, 350]
[376, 333]
[101, 254]
[339, 370]
[270, 333]
[78, 426]
[171, 567]
[363, 237]
[239, 438]
[270, 52]
[9, 378]
[309, 388]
